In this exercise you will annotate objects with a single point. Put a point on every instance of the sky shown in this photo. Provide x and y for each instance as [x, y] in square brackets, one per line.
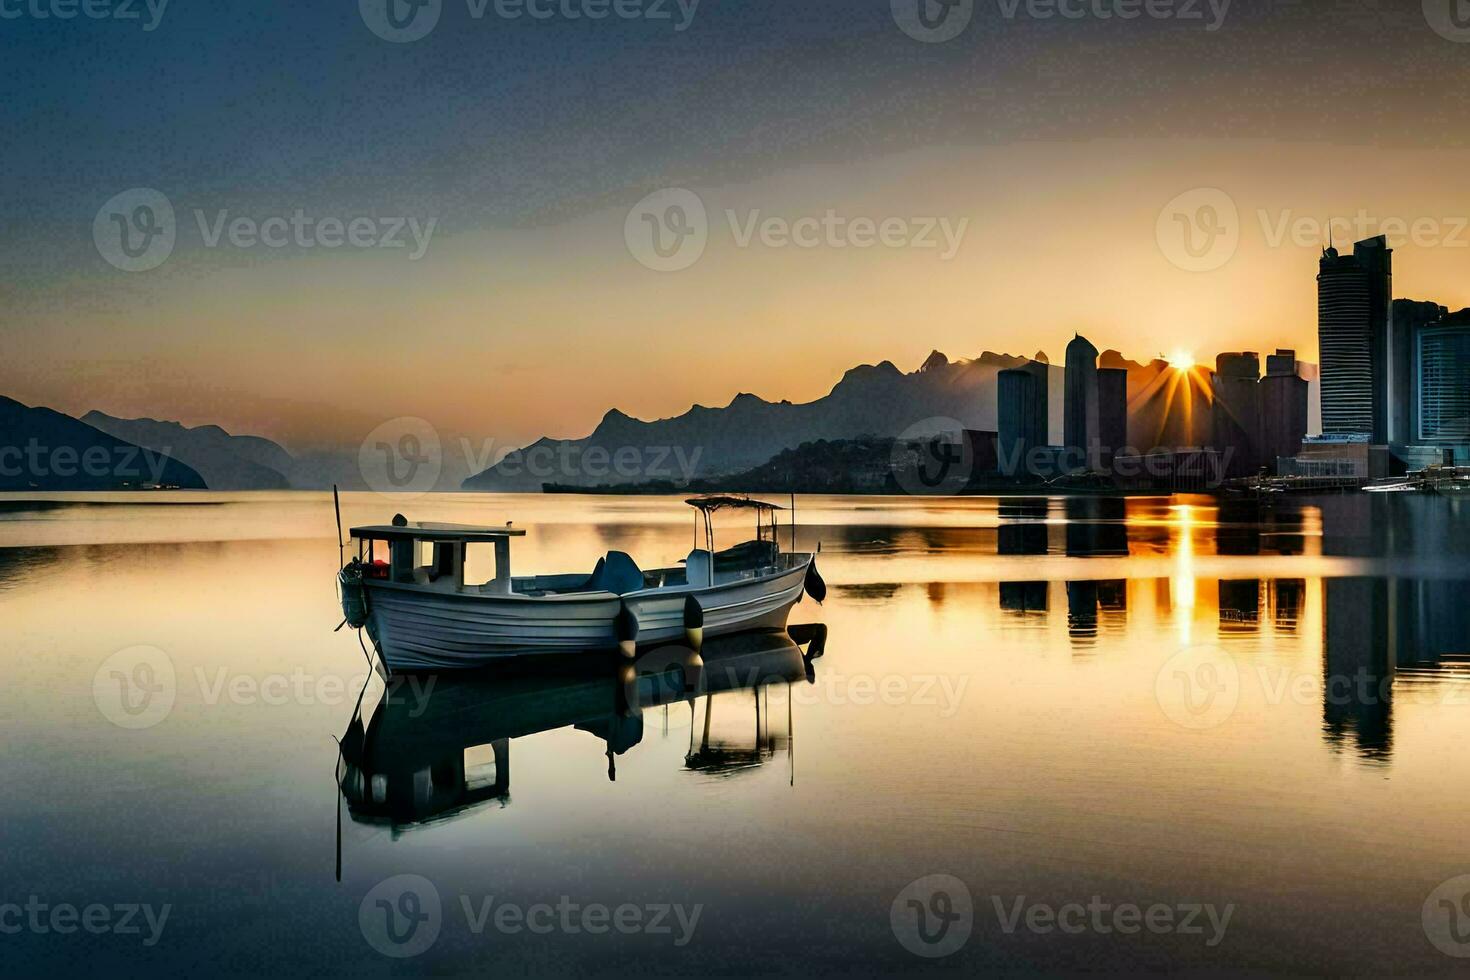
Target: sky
[831, 182]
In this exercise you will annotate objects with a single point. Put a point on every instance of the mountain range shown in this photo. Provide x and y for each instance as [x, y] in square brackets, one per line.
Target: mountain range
[870, 400]
[42, 449]
[226, 462]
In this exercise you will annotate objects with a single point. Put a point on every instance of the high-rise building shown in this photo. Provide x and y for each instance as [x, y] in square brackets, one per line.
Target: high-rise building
[1236, 412]
[1080, 409]
[1023, 413]
[1112, 413]
[1283, 409]
[1442, 389]
[1409, 317]
[1354, 299]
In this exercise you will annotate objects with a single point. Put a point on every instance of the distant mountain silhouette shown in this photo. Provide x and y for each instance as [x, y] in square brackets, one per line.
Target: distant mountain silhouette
[42, 449]
[227, 462]
[870, 400]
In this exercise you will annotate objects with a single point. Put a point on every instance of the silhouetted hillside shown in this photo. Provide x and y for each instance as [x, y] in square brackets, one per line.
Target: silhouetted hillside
[870, 401]
[42, 449]
[226, 462]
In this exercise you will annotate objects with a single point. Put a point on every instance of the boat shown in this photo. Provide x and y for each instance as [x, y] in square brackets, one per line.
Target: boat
[422, 615]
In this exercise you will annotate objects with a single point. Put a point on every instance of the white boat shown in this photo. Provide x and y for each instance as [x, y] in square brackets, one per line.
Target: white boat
[423, 614]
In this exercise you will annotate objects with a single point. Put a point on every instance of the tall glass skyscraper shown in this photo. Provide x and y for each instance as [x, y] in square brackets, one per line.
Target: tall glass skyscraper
[1354, 300]
[1444, 382]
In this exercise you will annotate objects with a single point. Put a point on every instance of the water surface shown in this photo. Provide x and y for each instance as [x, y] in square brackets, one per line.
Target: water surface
[1153, 701]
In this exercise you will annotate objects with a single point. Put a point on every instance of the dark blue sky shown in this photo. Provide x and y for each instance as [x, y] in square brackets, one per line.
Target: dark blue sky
[521, 121]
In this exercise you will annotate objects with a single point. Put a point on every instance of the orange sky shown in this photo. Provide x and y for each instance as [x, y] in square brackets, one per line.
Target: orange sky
[512, 334]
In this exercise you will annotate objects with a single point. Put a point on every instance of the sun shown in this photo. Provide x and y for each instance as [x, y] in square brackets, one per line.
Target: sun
[1181, 360]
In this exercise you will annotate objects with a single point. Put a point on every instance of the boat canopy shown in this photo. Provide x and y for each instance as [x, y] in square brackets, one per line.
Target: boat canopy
[429, 531]
[711, 502]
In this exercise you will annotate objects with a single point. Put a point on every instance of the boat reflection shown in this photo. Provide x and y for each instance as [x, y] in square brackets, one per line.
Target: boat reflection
[430, 749]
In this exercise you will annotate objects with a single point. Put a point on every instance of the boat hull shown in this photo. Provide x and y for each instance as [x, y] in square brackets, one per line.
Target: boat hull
[418, 629]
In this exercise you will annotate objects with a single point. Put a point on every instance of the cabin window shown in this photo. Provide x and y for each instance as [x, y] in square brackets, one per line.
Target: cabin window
[480, 769]
[487, 566]
[479, 563]
[374, 554]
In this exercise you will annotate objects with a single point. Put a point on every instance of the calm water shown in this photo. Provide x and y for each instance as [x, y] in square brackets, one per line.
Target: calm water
[1152, 703]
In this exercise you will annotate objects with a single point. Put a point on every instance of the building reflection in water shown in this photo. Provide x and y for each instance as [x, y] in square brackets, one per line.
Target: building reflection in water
[1370, 638]
[1238, 532]
[1097, 527]
[1023, 531]
[1357, 669]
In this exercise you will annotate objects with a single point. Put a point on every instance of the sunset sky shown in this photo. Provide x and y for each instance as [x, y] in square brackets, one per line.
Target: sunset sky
[1056, 144]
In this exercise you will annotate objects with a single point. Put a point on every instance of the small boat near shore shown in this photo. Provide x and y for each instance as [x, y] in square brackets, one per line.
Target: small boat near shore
[407, 587]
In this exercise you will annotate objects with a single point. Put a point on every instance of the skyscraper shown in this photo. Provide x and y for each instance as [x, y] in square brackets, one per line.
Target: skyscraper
[1080, 418]
[1112, 413]
[1023, 413]
[1354, 299]
[1236, 412]
[1283, 409]
[1409, 318]
[1442, 402]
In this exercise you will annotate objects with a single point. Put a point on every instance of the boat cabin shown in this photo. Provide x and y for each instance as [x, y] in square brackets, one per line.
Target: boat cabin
[432, 556]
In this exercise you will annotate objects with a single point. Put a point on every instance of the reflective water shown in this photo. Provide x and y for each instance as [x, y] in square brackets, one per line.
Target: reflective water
[1147, 703]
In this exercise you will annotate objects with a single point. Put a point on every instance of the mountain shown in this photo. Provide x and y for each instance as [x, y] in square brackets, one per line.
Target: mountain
[226, 462]
[42, 449]
[870, 400]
